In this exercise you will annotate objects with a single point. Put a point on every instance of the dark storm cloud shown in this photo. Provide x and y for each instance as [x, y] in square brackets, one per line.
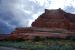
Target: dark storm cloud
[18, 13]
[21, 13]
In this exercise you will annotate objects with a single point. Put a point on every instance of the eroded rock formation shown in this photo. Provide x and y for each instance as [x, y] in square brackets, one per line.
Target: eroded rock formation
[55, 19]
[51, 21]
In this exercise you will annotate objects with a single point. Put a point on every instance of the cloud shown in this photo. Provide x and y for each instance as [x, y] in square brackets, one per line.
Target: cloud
[21, 13]
[55, 4]
[5, 27]
[69, 6]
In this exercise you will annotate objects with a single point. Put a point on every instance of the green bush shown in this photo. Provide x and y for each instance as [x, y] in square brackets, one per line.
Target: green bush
[36, 38]
[29, 45]
[19, 39]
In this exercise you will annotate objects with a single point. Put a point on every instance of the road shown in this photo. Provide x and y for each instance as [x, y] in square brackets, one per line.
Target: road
[7, 48]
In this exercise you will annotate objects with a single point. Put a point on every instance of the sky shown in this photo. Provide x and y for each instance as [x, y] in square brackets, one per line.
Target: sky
[21, 13]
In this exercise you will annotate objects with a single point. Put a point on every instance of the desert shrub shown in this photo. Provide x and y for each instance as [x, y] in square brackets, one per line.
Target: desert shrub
[37, 38]
[19, 39]
[70, 37]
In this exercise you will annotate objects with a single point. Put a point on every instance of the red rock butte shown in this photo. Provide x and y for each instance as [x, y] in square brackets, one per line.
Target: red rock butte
[54, 19]
[51, 21]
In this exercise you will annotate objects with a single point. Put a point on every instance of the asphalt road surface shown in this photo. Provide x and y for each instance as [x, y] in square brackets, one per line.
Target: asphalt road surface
[7, 48]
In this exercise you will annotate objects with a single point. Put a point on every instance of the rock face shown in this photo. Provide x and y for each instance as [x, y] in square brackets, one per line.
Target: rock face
[48, 24]
[54, 19]
[4, 36]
